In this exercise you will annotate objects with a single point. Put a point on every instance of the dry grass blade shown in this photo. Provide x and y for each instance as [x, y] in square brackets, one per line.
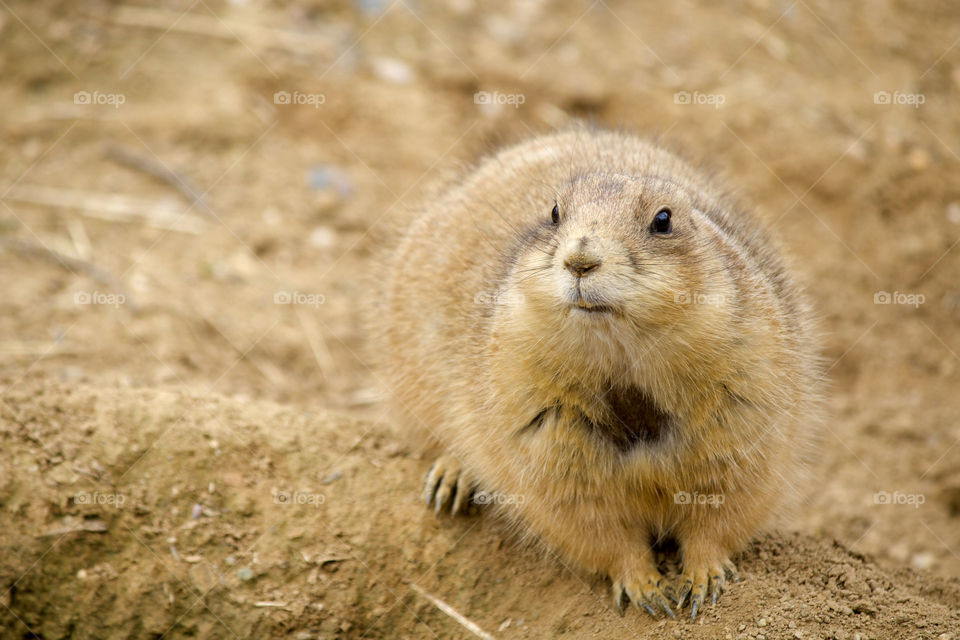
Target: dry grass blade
[110, 206]
[153, 168]
[466, 623]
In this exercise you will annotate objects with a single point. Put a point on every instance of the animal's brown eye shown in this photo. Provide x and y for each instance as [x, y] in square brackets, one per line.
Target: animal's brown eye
[555, 214]
[661, 222]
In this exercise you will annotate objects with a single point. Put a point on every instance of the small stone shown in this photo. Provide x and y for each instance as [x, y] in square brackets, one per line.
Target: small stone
[331, 477]
[82, 574]
[244, 573]
[792, 625]
[393, 70]
[923, 560]
[918, 159]
[323, 177]
[323, 238]
[953, 212]
[741, 627]
[762, 622]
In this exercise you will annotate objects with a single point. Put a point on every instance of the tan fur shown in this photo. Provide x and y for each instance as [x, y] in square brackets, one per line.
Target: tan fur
[483, 335]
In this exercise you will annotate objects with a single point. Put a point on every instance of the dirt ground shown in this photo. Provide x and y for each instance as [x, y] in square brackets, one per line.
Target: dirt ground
[192, 198]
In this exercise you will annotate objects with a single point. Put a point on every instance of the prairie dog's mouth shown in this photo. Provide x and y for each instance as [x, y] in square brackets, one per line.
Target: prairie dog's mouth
[586, 303]
[593, 309]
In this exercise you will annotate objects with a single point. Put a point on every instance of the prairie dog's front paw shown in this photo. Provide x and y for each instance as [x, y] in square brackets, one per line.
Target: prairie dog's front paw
[700, 578]
[447, 481]
[643, 586]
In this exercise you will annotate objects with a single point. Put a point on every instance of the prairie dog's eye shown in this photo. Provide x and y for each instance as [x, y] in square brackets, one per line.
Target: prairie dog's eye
[555, 214]
[661, 222]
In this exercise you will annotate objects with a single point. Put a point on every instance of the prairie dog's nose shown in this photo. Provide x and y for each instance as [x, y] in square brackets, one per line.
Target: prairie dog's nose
[581, 262]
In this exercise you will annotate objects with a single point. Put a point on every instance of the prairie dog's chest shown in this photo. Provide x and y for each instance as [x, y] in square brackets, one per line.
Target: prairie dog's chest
[599, 441]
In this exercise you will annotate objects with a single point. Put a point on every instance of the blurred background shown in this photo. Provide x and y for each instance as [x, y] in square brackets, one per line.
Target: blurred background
[193, 194]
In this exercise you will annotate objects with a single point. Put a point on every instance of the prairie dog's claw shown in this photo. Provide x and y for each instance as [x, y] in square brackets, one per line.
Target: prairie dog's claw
[645, 592]
[685, 589]
[447, 482]
[699, 582]
[618, 595]
[671, 593]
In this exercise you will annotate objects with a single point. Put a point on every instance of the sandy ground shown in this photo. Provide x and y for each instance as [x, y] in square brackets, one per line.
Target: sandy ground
[192, 199]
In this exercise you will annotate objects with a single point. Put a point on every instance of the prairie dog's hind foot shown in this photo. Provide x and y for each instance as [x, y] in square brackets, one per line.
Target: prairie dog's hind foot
[448, 482]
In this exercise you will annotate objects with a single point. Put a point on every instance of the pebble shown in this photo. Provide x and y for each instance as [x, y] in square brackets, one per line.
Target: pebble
[393, 70]
[918, 159]
[923, 560]
[326, 176]
[323, 238]
[953, 212]
[331, 478]
[762, 622]
[372, 7]
[244, 573]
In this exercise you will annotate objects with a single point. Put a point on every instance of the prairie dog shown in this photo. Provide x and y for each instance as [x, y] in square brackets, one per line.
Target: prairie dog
[612, 350]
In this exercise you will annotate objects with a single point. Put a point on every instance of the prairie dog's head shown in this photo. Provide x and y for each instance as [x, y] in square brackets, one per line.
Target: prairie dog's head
[618, 259]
